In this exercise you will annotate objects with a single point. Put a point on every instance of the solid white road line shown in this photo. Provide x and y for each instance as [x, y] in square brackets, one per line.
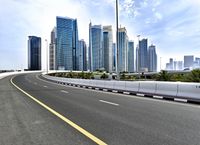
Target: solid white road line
[64, 91]
[45, 86]
[111, 103]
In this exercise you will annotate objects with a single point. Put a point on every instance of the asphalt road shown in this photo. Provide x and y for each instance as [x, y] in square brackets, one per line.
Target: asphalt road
[116, 119]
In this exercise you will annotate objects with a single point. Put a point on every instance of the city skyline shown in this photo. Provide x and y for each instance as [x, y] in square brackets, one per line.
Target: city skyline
[180, 20]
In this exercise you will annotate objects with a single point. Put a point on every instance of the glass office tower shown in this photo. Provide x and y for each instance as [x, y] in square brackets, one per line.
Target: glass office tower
[123, 50]
[82, 55]
[152, 58]
[67, 44]
[143, 56]
[130, 56]
[107, 48]
[95, 47]
[34, 53]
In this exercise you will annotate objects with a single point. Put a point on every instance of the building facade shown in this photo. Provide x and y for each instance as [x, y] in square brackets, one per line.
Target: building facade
[152, 59]
[96, 58]
[114, 57]
[82, 55]
[66, 44]
[34, 53]
[107, 48]
[143, 56]
[136, 59]
[52, 50]
[131, 64]
[123, 50]
[188, 61]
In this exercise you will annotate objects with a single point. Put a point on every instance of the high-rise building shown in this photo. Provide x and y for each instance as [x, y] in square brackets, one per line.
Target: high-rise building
[136, 60]
[171, 62]
[197, 62]
[170, 65]
[114, 57]
[82, 56]
[143, 55]
[95, 47]
[66, 44]
[178, 65]
[123, 50]
[107, 48]
[130, 56]
[152, 59]
[52, 50]
[188, 61]
[34, 53]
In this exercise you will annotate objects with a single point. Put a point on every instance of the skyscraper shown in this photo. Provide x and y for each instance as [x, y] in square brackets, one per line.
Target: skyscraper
[170, 65]
[34, 53]
[67, 44]
[136, 60]
[52, 50]
[123, 50]
[143, 55]
[152, 59]
[130, 56]
[107, 48]
[114, 57]
[188, 61]
[95, 47]
[82, 55]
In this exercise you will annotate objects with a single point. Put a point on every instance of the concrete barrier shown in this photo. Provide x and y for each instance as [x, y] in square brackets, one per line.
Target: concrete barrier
[132, 86]
[189, 91]
[166, 89]
[148, 88]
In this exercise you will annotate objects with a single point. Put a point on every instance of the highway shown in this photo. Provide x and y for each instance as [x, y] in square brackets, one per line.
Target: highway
[43, 112]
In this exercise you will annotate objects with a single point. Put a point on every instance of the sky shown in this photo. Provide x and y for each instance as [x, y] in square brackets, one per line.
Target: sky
[172, 25]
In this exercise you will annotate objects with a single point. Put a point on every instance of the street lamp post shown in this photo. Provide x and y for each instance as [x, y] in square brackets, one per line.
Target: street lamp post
[117, 45]
[47, 54]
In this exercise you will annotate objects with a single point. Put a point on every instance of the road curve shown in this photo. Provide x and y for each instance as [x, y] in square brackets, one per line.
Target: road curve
[115, 119]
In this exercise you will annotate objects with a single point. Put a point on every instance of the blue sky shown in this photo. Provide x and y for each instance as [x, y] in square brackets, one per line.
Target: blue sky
[173, 26]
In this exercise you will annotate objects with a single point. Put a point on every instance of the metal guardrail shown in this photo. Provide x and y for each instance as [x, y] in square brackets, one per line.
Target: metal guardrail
[167, 90]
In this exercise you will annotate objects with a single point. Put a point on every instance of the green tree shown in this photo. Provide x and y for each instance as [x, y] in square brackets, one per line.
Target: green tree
[193, 76]
[104, 76]
[163, 76]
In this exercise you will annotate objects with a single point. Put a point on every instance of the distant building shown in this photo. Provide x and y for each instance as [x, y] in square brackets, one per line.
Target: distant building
[131, 56]
[152, 59]
[170, 65]
[95, 47]
[143, 55]
[188, 61]
[136, 60]
[34, 53]
[197, 62]
[82, 56]
[171, 62]
[52, 50]
[107, 48]
[114, 57]
[66, 44]
[179, 65]
[167, 66]
[123, 50]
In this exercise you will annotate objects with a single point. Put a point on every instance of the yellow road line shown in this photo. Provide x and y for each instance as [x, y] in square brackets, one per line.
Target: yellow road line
[80, 129]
